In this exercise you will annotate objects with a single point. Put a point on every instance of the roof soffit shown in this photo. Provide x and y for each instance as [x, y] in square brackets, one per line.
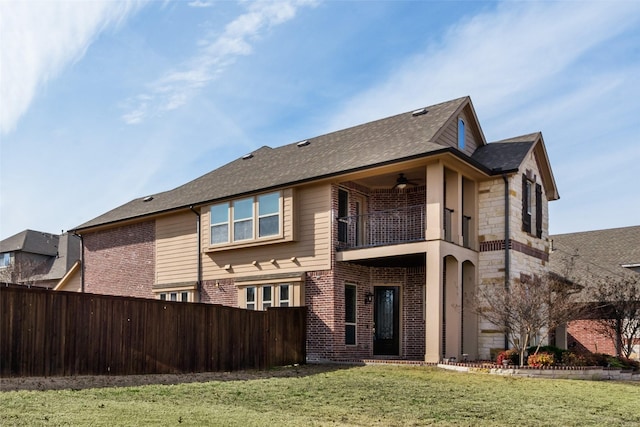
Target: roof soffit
[544, 167]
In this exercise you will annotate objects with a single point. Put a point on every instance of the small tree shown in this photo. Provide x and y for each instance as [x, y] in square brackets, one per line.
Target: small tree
[618, 309]
[526, 308]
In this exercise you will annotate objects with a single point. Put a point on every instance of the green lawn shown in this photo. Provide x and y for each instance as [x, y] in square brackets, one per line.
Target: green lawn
[335, 395]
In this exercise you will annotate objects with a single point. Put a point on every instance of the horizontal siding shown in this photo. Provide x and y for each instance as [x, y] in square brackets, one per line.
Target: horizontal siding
[450, 135]
[176, 248]
[307, 220]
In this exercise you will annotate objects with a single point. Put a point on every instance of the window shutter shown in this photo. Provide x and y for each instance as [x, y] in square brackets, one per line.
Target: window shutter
[526, 217]
[538, 210]
[343, 212]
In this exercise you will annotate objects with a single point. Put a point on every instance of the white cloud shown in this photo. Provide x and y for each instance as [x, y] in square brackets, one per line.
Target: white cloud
[501, 58]
[200, 3]
[40, 38]
[215, 54]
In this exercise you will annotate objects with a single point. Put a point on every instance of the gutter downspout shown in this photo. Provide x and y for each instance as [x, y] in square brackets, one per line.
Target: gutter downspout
[507, 244]
[81, 262]
[199, 273]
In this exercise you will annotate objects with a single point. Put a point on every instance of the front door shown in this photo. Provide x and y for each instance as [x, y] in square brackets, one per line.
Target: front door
[386, 317]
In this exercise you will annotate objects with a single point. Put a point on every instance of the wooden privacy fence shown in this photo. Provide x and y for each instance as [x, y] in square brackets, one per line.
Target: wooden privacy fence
[46, 333]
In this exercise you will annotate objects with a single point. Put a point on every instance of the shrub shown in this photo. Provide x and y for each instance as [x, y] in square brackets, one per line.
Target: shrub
[541, 359]
[557, 352]
[511, 355]
[570, 358]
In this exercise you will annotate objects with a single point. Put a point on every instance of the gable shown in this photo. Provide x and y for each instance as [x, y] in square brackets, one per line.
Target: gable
[474, 138]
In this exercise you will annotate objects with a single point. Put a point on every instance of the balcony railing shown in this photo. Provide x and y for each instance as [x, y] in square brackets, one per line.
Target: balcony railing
[448, 236]
[389, 227]
[466, 231]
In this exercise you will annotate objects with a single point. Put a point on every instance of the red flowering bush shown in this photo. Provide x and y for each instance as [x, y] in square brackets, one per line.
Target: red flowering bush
[540, 360]
[511, 355]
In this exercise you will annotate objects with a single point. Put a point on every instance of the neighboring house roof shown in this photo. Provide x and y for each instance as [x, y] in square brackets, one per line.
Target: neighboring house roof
[60, 251]
[31, 241]
[69, 249]
[401, 137]
[589, 256]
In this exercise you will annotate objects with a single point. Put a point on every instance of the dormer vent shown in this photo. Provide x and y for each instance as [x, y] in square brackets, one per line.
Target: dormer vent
[247, 156]
[147, 199]
[303, 143]
[419, 112]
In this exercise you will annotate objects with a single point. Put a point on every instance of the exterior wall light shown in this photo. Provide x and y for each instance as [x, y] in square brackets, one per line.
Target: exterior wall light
[368, 298]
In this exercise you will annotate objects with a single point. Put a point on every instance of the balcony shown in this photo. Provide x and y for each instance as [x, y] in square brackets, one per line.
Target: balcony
[381, 228]
[393, 227]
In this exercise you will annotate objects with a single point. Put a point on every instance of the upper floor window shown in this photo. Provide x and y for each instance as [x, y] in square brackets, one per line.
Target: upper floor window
[5, 259]
[531, 206]
[246, 219]
[461, 134]
[243, 219]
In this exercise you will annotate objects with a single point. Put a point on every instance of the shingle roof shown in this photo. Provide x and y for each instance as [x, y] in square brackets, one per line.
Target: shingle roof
[392, 139]
[382, 141]
[35, 242]
[592, 255]
[507, 154]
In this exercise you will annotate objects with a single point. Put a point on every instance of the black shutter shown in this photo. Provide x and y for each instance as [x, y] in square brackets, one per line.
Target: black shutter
[343, 212]
[538, 210]
[526, 217]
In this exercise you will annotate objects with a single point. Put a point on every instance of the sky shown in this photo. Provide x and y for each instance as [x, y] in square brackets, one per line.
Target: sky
[102, 102]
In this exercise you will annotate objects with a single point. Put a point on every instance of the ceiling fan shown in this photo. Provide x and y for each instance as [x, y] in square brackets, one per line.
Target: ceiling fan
[402, 182]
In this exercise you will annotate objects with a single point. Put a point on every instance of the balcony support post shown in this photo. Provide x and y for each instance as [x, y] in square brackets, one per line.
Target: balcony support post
[433, 302]
[434, 223]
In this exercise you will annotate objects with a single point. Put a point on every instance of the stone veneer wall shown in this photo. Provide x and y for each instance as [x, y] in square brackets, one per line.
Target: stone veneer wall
[528, 254]
[121, 260]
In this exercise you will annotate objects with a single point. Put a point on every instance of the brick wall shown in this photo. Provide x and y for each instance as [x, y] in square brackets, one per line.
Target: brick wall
[583, 336]
[413, 314]
[222, 291]
[121, 261]
[320, 301]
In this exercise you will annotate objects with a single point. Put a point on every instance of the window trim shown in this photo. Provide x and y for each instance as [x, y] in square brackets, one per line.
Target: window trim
[259, 293]
[288, 299]
[461, 135]
[354, 323]
[255, 221]
[531, 206]
[8, 257]
[176, 295]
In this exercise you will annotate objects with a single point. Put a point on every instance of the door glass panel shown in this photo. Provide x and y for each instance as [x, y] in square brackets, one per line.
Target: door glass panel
[384, 326]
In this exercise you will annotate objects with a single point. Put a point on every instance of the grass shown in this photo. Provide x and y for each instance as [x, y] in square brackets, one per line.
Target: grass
[332, 395]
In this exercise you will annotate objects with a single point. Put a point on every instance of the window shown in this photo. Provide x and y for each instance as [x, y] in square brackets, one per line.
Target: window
[251, 218]
[220, 223]
[266, 297]
[261, 297]
[5, 259]
[461, 134]
[343, 212]
[350, 314]
[251, 298]
[182, 296]
[531, 206]
[243, 219]
[284, 295]
[269, 215]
